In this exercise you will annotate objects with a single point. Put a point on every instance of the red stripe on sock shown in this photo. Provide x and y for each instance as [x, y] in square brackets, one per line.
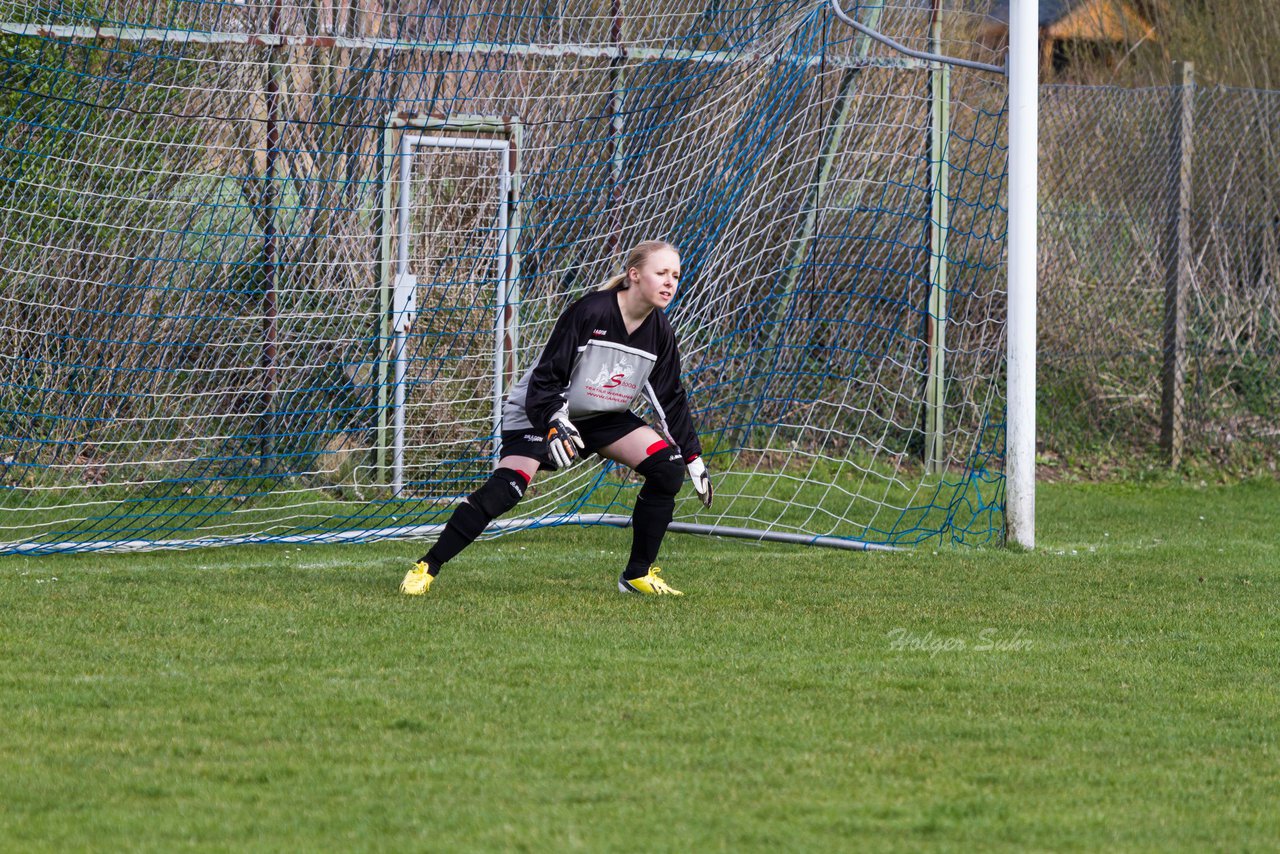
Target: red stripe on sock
[528, 478]
[655, 447]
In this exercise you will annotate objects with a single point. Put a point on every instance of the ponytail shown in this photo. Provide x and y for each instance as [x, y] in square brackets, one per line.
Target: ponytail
[616, 282]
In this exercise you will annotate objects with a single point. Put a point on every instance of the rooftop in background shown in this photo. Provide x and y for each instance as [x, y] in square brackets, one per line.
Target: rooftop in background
[1050, 10]
[1116, 22]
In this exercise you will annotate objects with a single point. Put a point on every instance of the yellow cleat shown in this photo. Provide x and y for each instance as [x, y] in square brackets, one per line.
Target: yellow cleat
[417, 580]
[648, 585]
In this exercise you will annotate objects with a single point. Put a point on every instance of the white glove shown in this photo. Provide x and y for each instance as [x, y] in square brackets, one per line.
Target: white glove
[564, 439]
[701, 479]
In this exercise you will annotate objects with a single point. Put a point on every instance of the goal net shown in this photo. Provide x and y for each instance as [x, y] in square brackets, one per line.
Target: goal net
[266, 268]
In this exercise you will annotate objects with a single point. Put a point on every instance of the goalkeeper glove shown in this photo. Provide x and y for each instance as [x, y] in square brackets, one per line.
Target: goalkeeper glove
[564, 439]
[701, 479]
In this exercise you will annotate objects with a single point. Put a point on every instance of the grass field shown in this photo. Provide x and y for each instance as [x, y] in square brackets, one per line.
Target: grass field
[1116, 688]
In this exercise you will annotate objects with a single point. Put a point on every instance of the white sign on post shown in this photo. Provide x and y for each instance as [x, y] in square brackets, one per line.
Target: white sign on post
[404, 302]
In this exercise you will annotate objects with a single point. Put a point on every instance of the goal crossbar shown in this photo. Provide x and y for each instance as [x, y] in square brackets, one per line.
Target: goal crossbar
[138, 35]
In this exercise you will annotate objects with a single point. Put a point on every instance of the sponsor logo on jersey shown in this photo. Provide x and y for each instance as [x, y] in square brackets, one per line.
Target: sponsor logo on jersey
[599, 332]
[617, 374]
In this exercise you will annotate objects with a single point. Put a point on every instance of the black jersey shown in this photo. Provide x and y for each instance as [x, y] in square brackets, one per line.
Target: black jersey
[591, 364]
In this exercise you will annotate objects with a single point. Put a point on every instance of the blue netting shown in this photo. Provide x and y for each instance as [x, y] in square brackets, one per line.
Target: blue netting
[200, 231]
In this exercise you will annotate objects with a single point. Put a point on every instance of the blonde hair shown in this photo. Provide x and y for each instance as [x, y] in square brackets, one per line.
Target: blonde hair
[637, 256]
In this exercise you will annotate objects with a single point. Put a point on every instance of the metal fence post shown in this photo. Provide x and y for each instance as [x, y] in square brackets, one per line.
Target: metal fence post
[1177, 265]
[935, 395]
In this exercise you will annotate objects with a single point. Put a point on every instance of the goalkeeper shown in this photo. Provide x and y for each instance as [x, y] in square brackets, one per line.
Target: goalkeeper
[606, 350]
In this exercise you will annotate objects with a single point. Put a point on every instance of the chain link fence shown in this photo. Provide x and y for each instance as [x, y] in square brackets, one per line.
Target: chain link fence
[1159, 263]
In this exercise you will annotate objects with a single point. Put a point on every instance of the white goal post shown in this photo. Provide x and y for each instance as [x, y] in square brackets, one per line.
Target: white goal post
[1020, 436]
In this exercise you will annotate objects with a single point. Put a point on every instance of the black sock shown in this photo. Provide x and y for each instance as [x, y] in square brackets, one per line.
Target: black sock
[649, 524]
[466, 523]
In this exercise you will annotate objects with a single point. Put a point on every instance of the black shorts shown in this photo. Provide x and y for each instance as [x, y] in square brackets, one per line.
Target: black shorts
[597, 432]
